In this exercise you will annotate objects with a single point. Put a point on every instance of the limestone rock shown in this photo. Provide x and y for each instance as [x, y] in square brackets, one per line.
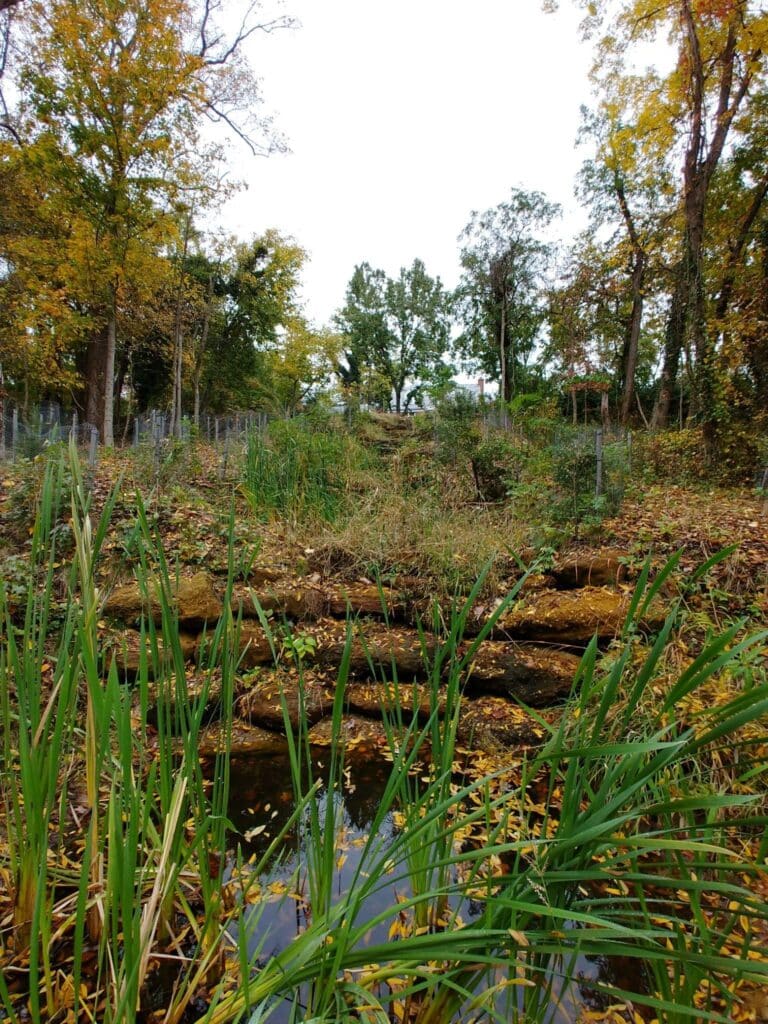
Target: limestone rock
[493, 724]
[369, 699]
[590, 569]
[375, 649]
[535, 675]
[254, 646]
[245, 741]
[307, 698]
[310, 601]
[195, 685]
[356, 732]
[195, 600]
[292, 602]
[125, 648]
[127, 603]
[365, 599]
[573, 616]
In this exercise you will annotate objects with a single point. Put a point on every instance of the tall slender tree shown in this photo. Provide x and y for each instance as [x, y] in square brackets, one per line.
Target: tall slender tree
[114, 91]
[500, 298]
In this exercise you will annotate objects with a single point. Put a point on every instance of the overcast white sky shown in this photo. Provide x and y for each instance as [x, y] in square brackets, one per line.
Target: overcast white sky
[403, 117]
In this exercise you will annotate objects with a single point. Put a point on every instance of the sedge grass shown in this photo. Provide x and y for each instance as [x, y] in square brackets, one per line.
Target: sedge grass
[609, 815]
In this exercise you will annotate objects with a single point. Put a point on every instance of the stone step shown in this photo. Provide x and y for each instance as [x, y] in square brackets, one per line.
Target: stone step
[589, 569]
[535, 675]
[573, 616]
[194, 599]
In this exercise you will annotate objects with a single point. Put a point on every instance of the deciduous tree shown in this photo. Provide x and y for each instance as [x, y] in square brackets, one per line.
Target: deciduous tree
[398, 328]
[114, 93]
[500, 298]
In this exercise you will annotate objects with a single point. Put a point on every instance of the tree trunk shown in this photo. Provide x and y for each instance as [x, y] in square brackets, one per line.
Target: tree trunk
[178, 337]
[120, 376]
[107, 426]
[2, 413]
[632, 339]
[703, 152]
[503, 350]
[202, 345]
[629, 360]
[95, 376]
[757, 344]
[673, 346]
[605, 414]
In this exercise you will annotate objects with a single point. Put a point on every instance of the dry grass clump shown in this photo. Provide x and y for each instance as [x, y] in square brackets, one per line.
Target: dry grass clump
[391, 533]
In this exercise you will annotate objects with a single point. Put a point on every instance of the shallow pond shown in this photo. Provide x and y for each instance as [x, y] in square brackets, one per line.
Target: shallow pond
[261, 804]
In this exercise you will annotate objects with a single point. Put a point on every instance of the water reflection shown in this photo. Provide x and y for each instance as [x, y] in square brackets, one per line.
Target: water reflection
[262, 804]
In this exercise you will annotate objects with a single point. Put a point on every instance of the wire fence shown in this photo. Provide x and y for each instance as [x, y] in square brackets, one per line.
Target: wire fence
[591, 465]
[26, 434]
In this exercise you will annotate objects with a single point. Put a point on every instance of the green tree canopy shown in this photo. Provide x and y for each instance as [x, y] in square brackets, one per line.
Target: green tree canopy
[395, 333]
[500, 296]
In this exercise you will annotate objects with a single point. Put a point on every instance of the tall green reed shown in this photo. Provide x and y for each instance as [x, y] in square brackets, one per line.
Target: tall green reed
[595, 868]
[38, 693]
[297, 471]
[152, 837]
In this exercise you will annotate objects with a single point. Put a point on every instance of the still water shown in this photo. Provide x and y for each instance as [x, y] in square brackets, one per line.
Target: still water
[262, 803]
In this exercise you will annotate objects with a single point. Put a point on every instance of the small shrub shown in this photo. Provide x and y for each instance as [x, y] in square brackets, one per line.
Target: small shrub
[574, 475]
[298, 471]
[496, 466]
[671, 455]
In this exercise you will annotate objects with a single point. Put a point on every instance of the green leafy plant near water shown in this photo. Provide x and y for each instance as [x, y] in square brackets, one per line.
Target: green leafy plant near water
[613, 815]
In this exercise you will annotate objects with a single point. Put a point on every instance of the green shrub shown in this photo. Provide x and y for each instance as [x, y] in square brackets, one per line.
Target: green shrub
[574, 476]
[671, 455]
[297, 470]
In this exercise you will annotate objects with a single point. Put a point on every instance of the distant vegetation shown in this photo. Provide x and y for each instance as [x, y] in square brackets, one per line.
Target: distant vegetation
[115, 300]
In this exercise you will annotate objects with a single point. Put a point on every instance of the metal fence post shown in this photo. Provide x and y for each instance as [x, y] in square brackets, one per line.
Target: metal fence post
[598, 463]
[136, 433]
[225, 459]
[93, 447]
[14, 431]
[73, 429]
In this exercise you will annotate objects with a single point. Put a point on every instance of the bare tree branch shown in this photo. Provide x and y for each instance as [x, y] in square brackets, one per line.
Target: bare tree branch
[215, 114]
[210, 43]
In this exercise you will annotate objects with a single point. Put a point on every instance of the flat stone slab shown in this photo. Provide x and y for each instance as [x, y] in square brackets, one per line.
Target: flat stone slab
[534, 675]
[255, 648]
[538, 676]
[301, 603]
[194, 599]
[125, 647]
[269, 700]
[590, 569]
[573, 616]
[355, 732]
[493, 725]
[313, 601]
[375, 699]
[245, 741]
[194, 685]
